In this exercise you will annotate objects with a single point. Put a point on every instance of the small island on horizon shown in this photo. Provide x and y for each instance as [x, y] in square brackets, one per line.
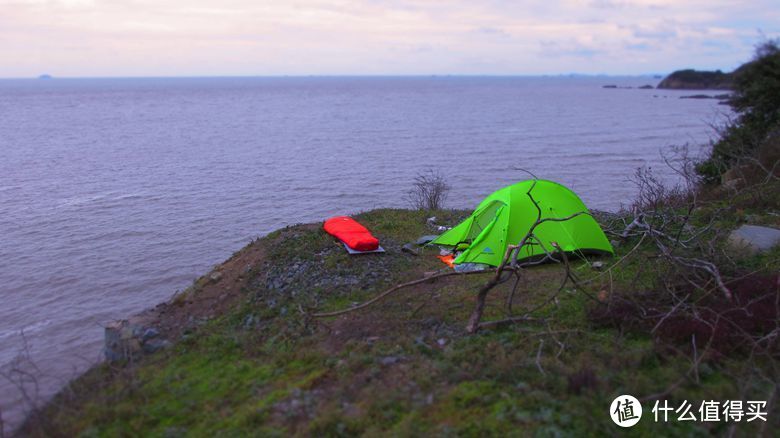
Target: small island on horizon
[690, 79]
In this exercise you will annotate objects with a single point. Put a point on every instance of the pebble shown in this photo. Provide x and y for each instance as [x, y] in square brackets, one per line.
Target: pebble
[389, 360]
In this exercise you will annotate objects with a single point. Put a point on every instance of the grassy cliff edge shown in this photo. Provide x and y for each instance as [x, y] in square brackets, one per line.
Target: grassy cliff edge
[247, 358]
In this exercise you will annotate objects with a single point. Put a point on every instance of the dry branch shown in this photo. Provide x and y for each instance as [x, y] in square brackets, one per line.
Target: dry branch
[394, 289]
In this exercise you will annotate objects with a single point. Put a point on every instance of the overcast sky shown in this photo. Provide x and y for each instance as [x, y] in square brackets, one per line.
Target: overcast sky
[256, 37]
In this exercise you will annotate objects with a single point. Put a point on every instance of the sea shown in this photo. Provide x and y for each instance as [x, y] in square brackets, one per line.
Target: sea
[116, 193]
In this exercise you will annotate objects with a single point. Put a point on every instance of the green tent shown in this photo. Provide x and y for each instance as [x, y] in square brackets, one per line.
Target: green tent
[505, 217]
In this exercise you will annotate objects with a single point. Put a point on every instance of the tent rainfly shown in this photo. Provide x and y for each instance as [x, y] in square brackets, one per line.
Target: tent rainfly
[506, 216]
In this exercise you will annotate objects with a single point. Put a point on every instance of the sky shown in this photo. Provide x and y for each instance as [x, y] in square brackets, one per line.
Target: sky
[95, 38]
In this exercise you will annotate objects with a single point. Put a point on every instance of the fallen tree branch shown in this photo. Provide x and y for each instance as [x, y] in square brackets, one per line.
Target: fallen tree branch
[508, 321]
[394, 289]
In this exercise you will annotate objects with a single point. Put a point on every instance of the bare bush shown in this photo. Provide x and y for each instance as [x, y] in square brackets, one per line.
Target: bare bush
[652, 193]
[429, 192]
[693, 299]
[23, 374]
[655, 195]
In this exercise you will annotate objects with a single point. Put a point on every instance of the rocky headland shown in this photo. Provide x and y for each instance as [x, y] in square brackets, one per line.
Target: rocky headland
[690, 79]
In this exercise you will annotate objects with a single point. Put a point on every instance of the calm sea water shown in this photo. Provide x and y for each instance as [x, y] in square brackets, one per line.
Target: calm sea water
[114, 193]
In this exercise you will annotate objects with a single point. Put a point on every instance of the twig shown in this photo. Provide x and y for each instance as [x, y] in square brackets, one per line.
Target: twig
[669, 313]
[539, 357]
[671, 388]
[507, 321]
[511, 296]
[695, 358]
[526, 171]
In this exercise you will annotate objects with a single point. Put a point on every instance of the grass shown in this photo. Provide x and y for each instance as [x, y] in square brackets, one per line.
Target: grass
[404, 367]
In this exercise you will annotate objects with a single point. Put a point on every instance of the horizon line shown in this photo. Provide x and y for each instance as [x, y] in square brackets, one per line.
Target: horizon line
[48, 76]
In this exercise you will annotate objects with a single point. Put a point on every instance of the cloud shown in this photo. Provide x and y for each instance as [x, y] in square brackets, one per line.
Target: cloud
[568, 49]
[193, 37]
[492, 31]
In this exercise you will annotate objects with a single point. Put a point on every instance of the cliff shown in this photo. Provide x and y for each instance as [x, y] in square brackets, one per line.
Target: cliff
[240, 353]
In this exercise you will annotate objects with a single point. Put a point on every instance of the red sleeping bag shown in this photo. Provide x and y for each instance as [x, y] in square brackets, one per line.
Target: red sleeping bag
[350, 232]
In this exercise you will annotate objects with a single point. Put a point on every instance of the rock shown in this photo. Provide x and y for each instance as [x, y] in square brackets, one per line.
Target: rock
[615, 243]
[389, 360]
[121, 341]
[215, 276]
[609, 86]
[126, 340]
[425, 239]
[409, 248]
[154, 345]
[755, 239]
[441, 341]
[733, 184]
[698, 96]
[597, 265]
[646, 87]
[150, 333]
[735, 176]
[249, 322]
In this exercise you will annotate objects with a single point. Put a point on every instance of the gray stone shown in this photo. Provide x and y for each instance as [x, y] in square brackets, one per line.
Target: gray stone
[150, 333]
[154, 345]
[597, 265]
[615, 243]
[121, 341]
[734, 177]
[409, 248]
[215, 276]
[733, 184]
[753, 238]
[126, 340]
[249, 322]
[389, 360]
[425, 239]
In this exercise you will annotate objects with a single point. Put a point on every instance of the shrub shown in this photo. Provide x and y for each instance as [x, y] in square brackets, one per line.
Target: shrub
[429, 192]
[756, 102]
